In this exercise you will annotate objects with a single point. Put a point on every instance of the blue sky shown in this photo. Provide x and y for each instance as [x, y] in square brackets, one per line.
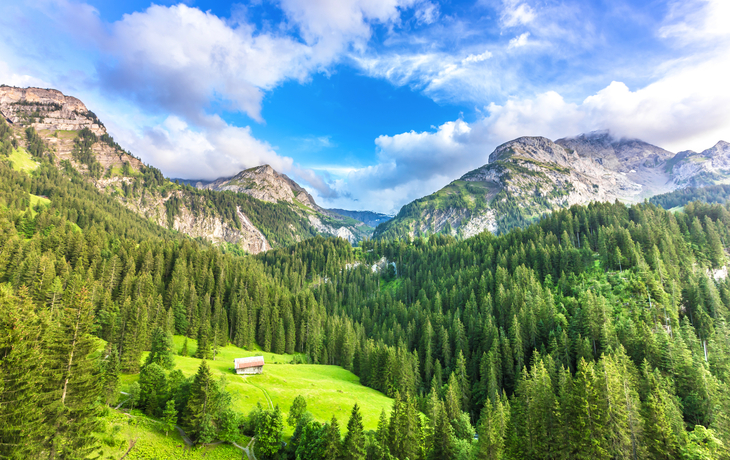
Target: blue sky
[373, 103]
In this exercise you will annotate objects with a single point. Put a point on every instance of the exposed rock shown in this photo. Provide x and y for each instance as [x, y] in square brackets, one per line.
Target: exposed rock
[530, 176]
[705, 168]
[340, 232]
[264, 183]
[55, 111]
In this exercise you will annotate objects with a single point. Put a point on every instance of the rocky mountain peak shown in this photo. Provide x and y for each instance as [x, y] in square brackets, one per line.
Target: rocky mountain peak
[264, 183]
[47, 109]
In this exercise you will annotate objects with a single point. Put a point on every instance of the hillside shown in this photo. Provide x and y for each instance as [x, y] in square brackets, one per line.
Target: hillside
[328, 390]
[369, 218]
[531, 176]
[260, 217]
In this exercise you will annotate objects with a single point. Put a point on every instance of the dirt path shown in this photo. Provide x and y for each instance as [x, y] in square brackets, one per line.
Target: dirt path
[248, 450]
[266, 393]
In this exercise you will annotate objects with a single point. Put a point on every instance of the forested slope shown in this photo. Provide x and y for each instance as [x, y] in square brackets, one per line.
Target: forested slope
[599, 332]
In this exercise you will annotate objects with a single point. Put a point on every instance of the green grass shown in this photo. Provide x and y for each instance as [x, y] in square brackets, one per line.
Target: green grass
[676, 209]
[22, 161]
[152, 443]
[328, 390]
[36, 200]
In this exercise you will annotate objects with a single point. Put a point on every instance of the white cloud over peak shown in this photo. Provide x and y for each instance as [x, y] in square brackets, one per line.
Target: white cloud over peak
[687, 108]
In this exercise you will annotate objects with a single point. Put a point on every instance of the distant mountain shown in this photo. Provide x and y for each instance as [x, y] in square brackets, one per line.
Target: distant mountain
[530, 176]
[369, 218]
[257, 209]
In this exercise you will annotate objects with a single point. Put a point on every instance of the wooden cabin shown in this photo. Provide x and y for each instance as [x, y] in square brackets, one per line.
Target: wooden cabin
[249, 366]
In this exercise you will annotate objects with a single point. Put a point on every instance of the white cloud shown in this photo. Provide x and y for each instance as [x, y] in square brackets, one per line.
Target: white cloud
[696, 20]
[477, 57]
[516, 13]
[688, 108]
[519, 41]
[427, 13]
[333, 24]
[10, 78]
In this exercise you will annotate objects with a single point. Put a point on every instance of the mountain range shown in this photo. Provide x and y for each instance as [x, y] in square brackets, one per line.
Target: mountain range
[260, 208]
[530, 176]
[257, 209]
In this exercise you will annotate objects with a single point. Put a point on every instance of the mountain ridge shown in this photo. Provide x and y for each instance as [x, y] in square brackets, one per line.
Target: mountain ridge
[278, 211]
[532, 175]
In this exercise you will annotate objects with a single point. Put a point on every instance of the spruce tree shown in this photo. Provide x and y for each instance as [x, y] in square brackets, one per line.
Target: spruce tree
[74, 380]
[169, 416]
[184, 349]
[161, 350]
[111, 375]
[22, 419]
[354, 443]
[332, 440]
[297, 410]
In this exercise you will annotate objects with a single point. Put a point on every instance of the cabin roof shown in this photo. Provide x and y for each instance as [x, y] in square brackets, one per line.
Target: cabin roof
[253, 361]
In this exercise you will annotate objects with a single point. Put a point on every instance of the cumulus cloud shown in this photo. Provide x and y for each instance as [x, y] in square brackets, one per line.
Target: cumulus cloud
[519, 41]
[477, 57]
[10, 78]
[689, 108]
[221, 150]
[516, 13]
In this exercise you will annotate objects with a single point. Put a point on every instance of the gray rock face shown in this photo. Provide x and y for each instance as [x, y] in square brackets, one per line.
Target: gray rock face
[530, 176]
[263, 183]
[54, 110]
[704, 168]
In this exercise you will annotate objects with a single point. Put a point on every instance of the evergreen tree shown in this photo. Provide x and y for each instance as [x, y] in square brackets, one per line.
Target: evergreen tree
[297, 410]
[492, 430]
[184, 349]
[354, 443]
[332, 440]
[269, 432]
[111, 375]
[22, 418]
[161, 351]
[169, 416]
[73, 380]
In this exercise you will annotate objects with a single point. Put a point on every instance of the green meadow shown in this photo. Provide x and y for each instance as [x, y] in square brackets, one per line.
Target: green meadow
[22, 161]
[328, 390]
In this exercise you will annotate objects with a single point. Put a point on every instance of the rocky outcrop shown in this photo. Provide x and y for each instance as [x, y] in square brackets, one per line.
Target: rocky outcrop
[530, 176]
[210, 227]
[263, 183]
[705, 168]
[47, 109]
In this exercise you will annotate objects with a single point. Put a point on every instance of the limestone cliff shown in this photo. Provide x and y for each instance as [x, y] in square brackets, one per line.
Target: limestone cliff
[530, 176]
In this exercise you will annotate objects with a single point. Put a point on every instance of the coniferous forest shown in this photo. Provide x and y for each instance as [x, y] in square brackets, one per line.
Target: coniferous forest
[599, 332]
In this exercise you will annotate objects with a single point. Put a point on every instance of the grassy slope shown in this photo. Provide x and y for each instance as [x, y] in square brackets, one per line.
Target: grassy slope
[327, 389]
[22, 161]
[152, 443]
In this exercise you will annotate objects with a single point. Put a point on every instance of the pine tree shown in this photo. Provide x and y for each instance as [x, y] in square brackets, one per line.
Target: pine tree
[200, 402]
[169, 416]
[184, 350]
[332, 441]
[354, 443]
[74, 380]
[297, 410]
[203, 351]
[111, 375]
[269, 432]
[161, 351]
[22, 418]
[492, 431]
